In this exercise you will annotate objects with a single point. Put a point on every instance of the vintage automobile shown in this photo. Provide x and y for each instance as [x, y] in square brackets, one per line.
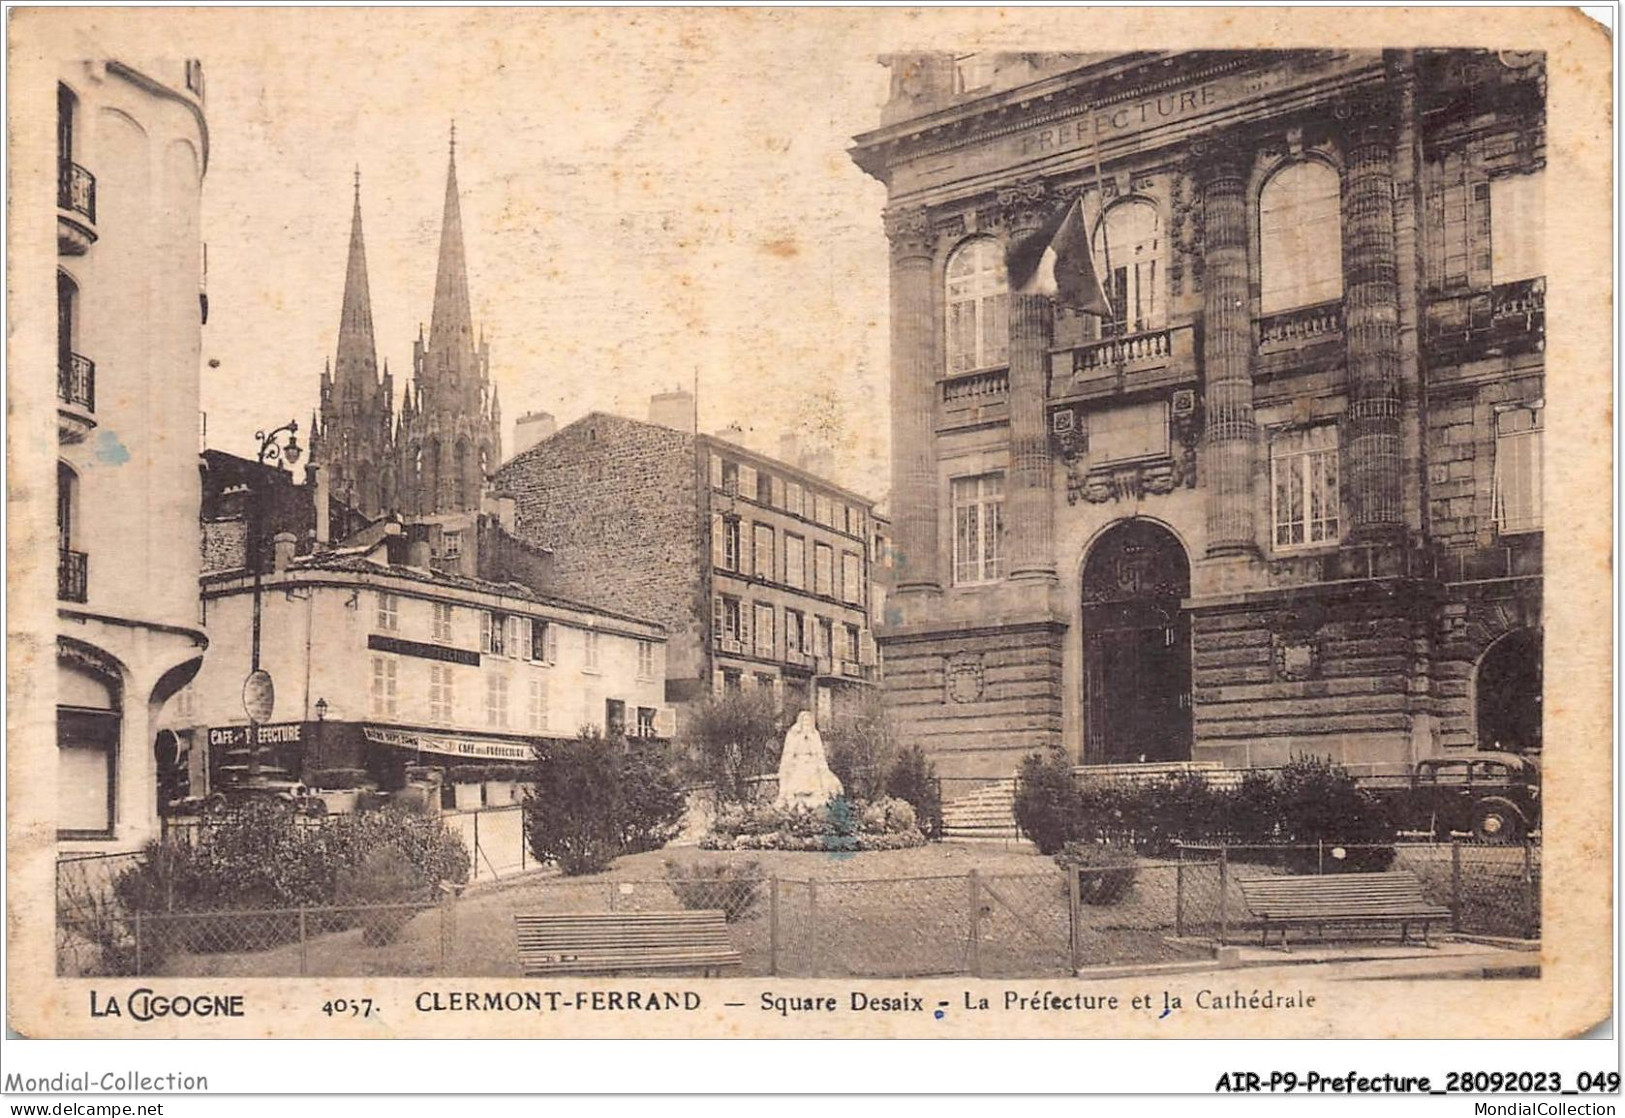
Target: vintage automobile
[1491, 795]
[292, 793]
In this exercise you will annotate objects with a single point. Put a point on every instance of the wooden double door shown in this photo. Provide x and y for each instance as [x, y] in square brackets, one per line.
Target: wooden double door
[1136, 647]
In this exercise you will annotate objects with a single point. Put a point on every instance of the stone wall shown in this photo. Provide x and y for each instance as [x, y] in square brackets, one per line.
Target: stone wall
[616, 502]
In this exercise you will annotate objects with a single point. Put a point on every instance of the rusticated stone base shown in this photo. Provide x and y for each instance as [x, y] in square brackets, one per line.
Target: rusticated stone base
[977, 699]
[1335, 672]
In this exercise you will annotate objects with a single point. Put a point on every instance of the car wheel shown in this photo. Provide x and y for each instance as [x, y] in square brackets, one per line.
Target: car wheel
[1494, 823]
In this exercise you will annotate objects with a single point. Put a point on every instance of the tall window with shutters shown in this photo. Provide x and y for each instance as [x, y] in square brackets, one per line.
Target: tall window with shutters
[496, 700]
[1517, 469]
[978, 504]
[727, 618]
[762, 560]
[824, 570]
[646, 659]
[544, 641]
[725, 542]
[1458, 220]
[538, 702]
[591, 656]
[1300, 237]
[389, 612]
[384, 680]
[851, 577]
[795, 561]
[978, 307]
[442, 698]
[762, 630]
[442, 630]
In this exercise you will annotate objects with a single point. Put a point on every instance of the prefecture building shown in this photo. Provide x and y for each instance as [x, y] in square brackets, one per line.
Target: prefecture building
[1286, 497]
[758, 570]
[132, 147]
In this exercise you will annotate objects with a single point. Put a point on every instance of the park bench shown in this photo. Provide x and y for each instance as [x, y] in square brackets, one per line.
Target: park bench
[603, 942]
[1340, 899]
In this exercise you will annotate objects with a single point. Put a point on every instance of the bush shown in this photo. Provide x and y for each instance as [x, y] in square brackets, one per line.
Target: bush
[858, 743]
[592, 799]
[1105, 874]
[1046, 806]
[1321, 805]
[730, 886]
[384, 877]
[913, 778]
[340, 780]
[885, 824]
[466, 774]
[733, 738]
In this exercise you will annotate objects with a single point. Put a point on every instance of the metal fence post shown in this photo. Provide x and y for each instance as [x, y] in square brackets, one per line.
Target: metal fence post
[1179, 894]
[1531, 899]
[1455, 884]
[974, 899]
[812, 928]
[1074, 892]
[1224, 890]
[1320, 855]
[476, 844]
[773, 924]
[304, 944]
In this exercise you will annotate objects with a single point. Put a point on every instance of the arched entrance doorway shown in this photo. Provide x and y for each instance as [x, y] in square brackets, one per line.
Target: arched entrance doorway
[1136, 647]
[1508, 693]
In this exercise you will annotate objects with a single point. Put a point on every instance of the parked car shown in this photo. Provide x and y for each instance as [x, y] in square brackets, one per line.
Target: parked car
[293, 793]
[1491, 795]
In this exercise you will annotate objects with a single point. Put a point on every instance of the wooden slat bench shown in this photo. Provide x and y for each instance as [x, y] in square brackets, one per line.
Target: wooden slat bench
[1340, 899]
[604, 942]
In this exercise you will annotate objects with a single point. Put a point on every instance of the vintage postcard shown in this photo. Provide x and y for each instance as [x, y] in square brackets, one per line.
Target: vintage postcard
[809, 523]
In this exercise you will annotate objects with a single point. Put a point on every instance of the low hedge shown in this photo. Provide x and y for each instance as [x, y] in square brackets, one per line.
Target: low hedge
[887, 823]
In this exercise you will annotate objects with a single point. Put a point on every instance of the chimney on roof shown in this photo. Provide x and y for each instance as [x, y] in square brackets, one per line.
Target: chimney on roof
[282, 550]
[674, 409]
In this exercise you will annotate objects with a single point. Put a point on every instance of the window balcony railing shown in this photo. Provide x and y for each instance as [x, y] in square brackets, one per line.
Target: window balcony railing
[1508, 318]
[72, 575]
[76, 190]
[76, 381]
[1124, 363]
[975, 389]
[1300, 326]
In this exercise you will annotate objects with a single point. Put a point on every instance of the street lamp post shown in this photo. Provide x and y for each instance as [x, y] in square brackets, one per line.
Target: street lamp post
[258, 692]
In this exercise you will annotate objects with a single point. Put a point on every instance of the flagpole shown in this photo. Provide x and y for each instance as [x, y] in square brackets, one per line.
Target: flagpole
[1105, 234]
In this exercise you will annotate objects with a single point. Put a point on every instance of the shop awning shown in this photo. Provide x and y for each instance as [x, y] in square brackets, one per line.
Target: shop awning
[451, 746]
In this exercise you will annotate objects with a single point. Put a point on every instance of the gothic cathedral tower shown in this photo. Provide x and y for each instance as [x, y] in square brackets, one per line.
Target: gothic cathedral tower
[354, 438]
[449, 437]
[435, 457]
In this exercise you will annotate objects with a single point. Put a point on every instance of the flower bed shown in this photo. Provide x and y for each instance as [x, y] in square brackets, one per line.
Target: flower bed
[840, 825]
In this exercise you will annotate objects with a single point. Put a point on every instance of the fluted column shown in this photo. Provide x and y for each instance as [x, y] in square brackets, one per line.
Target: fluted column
[1031, 496]
[1370, 265]
[913, 383]
[1227, 351]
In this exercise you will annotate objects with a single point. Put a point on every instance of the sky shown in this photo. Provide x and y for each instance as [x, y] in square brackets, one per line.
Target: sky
[650, 199]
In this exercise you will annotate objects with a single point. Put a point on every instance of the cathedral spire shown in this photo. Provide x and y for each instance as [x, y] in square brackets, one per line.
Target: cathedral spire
[450, 324]
[357, 354]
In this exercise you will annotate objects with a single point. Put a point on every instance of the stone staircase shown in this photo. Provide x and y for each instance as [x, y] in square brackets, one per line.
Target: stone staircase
[984, 815]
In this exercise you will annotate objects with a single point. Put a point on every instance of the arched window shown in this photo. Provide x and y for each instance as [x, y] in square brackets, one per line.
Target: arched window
[1300, 237]
[67, 318]
[67, 500]
[978, 307]
[1130, 242]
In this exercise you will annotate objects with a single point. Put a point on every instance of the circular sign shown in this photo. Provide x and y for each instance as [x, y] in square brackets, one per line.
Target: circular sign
[259, 696]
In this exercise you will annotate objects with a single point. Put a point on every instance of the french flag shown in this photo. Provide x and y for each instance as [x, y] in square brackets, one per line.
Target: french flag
[1056, 260]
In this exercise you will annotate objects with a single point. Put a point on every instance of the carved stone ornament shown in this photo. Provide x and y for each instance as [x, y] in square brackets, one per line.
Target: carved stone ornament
[1125, 481]
[909, 230]
[1024, 205]
[1295, 660]
[964, 677]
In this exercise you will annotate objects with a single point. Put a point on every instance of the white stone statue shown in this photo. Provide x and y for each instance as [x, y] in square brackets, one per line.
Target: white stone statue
[805, 778]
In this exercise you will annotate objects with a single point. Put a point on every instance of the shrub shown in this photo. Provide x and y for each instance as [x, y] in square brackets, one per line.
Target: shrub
[1322, 805]
[1045, 800]
[466, 774]
[340, 780]
[1252, 809]
[913, 778]
[592, 799]
[385, 876]
[1105, 873]
[858, 743]
[730, 886]
[733, 738]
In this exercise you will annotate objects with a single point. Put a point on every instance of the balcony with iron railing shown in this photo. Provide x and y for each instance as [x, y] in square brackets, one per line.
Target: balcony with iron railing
[75, 208]
[72, 575]
[1121, 363]
[1507, 319]
[1300, 339]
[75, 397]
[968, 399]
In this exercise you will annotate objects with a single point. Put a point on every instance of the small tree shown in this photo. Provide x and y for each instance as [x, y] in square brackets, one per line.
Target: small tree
[1320, 803]
[1045, 800]
[858, 743]
[913, 778]
[732, 738]
[572, 810]
[593, 799]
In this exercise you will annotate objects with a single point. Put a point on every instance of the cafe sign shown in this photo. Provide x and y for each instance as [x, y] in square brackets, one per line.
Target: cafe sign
[237, 737]
[446, 745]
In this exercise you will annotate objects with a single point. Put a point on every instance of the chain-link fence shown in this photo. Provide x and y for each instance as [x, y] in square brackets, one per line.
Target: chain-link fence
[996, 925]
[1490, 890]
